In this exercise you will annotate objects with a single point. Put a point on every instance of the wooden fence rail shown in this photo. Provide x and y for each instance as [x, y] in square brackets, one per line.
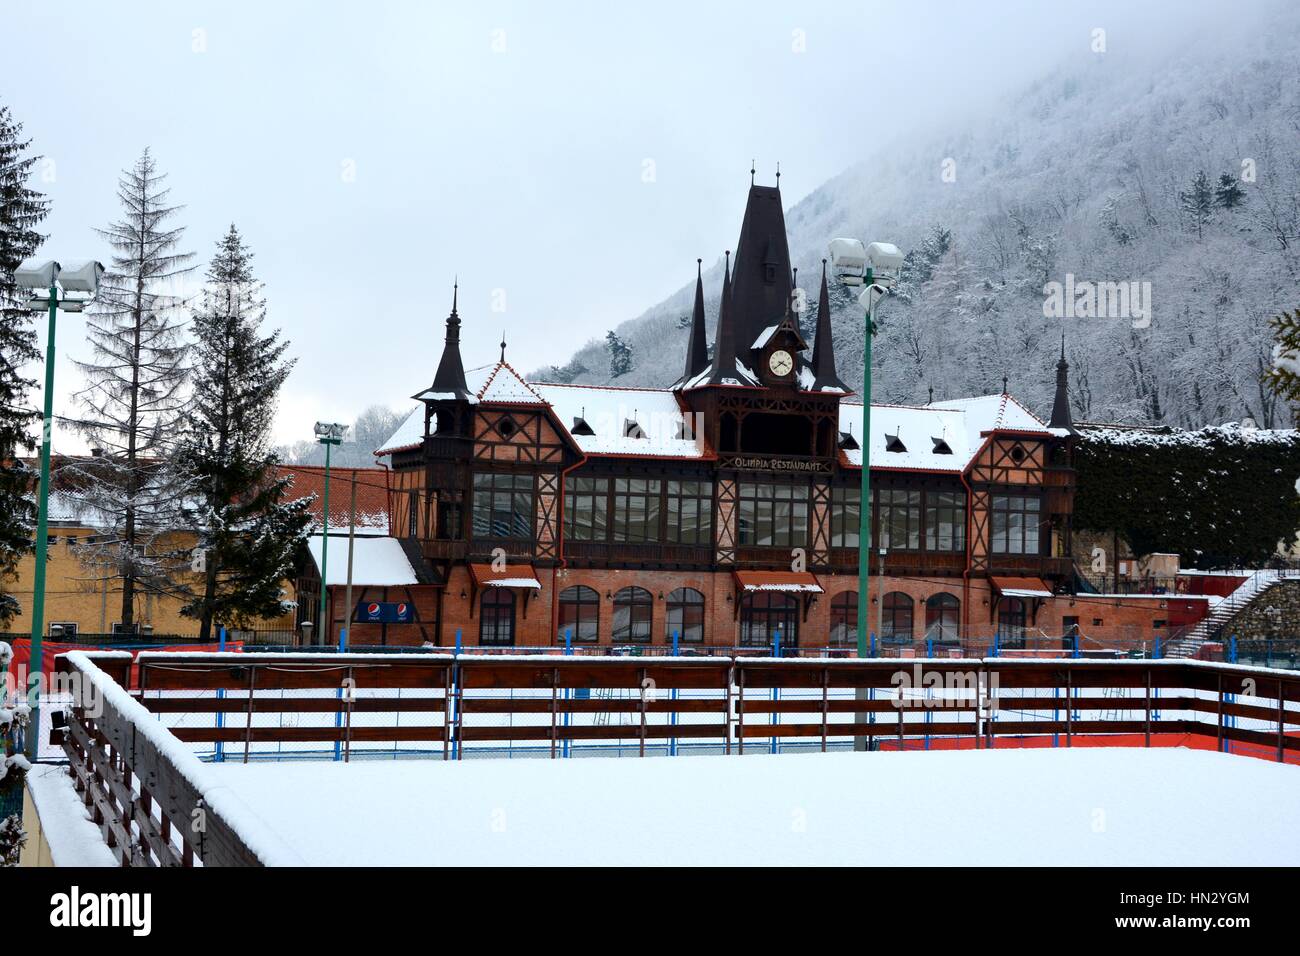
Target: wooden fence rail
[144, 802]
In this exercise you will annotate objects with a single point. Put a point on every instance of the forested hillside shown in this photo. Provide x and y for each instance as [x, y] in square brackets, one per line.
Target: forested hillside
[1181, 171]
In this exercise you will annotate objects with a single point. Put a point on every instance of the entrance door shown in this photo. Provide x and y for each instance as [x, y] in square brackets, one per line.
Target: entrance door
[764, 614]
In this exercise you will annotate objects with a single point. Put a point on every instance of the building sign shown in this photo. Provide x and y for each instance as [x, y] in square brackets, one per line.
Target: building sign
[383, 612]
[771, 463]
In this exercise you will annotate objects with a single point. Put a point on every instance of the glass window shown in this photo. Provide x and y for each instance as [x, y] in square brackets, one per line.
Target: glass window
[844, 619]
[942, 617]
[1011, 622]
[1015, 524]
[766, 614]
[503, 506]
[636, 509]
[900, 519]
[773, 515]
[586, 507]
[896, 623]
[685, 616]
[579, 613]
[690, 512]
[945, 521]
[846, 516]
[497, 617]
[633, 610]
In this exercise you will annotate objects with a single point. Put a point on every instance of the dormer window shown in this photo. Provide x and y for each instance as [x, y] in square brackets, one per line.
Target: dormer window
[848, 442]
[941, 447]
[632, 430]
[895, 444]
[580, 426]
[684, 430]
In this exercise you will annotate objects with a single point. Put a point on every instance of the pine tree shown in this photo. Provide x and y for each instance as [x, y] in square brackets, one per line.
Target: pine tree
[1283, 379]
[620, 355]
[1229, 194]
[21, 209]
[249, 535]
[134, 398]
[1198, 202]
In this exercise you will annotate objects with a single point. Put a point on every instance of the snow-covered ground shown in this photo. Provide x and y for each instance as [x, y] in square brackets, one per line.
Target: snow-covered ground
[1103, 807]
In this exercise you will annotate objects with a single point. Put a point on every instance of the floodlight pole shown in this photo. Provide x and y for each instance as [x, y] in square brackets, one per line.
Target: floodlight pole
[323, 635]
[864, 505]
[35, 661]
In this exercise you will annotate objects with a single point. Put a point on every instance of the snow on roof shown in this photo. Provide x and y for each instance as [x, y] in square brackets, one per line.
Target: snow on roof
[504, 384]
[609, 410]
[409, 434]
[765, 336]
[376, 560]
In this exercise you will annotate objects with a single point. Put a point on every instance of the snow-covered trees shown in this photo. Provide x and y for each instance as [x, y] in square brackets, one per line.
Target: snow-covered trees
[134, 397]
[21, 210]
[15, 723]
[248, 535]
[1283, 378]
[620, 355]
[1198, 202]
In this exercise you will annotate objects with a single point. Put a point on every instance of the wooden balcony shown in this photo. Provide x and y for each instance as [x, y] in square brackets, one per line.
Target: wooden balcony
[621, 554]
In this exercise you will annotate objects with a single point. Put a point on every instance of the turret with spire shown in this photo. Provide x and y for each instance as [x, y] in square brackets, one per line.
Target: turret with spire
[449, 380]
[823, 358]
[1061, 417]
[697, 349]
[724, 342]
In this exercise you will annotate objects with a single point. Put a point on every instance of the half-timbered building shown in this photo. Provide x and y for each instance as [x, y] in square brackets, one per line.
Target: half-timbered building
[724, 510]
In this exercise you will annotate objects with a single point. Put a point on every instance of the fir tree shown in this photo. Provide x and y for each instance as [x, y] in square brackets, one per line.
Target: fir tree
[620, 355]
[21, 210]
[134, 398]
[1198, 202]
[250, 537]
[1283, 379]
[1229, 194]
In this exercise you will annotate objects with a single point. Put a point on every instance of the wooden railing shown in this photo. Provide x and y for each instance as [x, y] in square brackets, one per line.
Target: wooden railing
[144, 795]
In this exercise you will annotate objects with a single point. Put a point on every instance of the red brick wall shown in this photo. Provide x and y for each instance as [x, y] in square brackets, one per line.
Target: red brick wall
[1121, 618]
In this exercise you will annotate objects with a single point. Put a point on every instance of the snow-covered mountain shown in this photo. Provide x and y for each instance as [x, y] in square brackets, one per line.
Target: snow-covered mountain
[1091, 175]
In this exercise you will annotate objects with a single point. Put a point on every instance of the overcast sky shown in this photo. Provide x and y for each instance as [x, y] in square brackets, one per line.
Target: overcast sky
[568, 161]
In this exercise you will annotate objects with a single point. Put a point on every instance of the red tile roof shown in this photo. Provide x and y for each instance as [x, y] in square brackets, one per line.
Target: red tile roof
[372, 494]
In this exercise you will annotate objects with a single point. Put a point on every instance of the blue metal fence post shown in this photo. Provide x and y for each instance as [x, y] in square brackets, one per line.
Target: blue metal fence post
[929, 647]
[1232, 649]
[455, 740]
[775, 693]
[220, 751]
[672, 741]
[873, 643]
[568, 692]
[1074, 639]
[997, 639]
[338, 714]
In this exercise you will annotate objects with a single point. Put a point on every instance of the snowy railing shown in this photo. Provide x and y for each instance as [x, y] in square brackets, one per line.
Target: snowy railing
[132, 753]
[155, 803]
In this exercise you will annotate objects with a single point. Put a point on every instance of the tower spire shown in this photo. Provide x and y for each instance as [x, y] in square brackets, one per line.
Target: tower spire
[823, 360]
[1061, 417]
[449, 380]
[697, 347]
[724, 343]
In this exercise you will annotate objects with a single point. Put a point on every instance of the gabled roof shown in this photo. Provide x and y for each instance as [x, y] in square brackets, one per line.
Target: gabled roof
[961, 425]
[607, 410]
[377, 561]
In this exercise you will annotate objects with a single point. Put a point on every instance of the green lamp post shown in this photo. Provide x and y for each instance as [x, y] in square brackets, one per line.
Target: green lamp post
[328, 434]
[44, 280]
[875, 267]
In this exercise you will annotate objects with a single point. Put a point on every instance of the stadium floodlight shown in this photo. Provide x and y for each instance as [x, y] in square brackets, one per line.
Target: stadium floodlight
[43, 280]
[328, 434]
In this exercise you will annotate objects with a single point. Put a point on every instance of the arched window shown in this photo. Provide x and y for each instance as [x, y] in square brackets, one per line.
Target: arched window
[896, 626]
[1011, 622]
[844, 619]
[633, 611]
[764, 614]
[685, 615]
[496, 626]
[579, 613]
[942, 614]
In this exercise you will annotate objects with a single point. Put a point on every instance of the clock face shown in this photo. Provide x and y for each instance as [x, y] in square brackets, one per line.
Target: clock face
[781, 362]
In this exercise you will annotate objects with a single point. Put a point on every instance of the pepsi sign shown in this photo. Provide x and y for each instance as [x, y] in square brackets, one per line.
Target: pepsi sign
[383, 612]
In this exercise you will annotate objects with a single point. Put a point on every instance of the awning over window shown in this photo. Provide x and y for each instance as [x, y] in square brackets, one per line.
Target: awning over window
[510, 576]
[1022, 587]
[799, 582]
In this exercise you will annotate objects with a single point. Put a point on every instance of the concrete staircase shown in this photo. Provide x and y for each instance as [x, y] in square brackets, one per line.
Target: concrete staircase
[1189, 644]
